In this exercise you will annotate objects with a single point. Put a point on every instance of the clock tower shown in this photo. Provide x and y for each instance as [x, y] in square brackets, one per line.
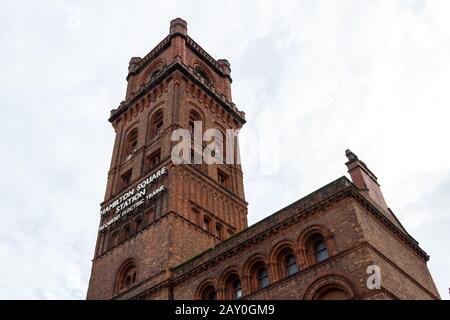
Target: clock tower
[157, 214]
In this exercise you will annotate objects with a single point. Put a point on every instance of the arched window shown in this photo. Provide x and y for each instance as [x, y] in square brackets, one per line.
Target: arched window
[285, 261]
[130, 143]
[126, 277]
[255, 270]
[290, 265]
[233, 287]
[202, 74]
[263, 278]
[208, 293]
[331, 287]
[320, 250]
[154, 75]
[156, 124]
[316, 244]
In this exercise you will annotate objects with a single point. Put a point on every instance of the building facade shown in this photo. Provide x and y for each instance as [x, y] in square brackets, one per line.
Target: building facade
[179, 231]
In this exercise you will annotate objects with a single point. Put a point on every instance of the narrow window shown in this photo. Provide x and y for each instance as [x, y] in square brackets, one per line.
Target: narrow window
[222, 178]
[130, 144]
[113, 240]
[126, 232]
[237, 289]
[156, 124]
[219, 231]
[137, 224]
[320, 250]
[153, 160]
[126, 179]
[193, 117]
[291, 265]
[263, 278]
[206, 224]
[150, 215]
[195, 213]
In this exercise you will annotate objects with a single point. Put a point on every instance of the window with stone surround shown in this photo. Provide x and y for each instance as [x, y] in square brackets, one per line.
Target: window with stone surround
[125, 179]
[222, 178]
[130, 145]
[206, 223]
[126, 277]
[219, 231]
[153, 160]
[156, 124]
[320, 250]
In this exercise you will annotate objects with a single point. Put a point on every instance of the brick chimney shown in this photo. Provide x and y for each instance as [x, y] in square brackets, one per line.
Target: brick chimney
[365, 180]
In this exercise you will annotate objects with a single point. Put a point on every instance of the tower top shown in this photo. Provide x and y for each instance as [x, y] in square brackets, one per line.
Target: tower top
[178, 25]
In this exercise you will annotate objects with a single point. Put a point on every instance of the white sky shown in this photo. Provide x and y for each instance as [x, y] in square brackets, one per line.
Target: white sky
[319, 76]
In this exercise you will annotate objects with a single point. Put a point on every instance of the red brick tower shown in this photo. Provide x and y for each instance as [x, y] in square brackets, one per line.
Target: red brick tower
[156, 215]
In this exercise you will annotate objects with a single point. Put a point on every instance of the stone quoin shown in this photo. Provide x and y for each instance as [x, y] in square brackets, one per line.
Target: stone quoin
[187, 236]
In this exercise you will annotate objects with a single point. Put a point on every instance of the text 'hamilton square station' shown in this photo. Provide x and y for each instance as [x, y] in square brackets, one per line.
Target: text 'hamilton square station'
[172, 231]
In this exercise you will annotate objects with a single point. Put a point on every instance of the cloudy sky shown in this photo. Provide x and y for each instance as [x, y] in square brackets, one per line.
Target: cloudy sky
[314, 78]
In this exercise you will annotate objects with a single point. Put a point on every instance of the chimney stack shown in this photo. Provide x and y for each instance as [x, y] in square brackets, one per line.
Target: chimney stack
[365, 180]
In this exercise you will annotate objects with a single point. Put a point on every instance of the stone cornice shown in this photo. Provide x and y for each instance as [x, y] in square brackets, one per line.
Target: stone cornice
[187, 71]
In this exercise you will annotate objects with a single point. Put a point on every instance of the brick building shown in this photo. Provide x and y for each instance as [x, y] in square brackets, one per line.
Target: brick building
[180, 231]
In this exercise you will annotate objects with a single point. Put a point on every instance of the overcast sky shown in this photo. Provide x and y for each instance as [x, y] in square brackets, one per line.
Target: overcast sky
[319, 76]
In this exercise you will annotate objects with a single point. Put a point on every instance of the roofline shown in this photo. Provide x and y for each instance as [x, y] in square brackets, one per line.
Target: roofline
[347, 186]
[174, 66]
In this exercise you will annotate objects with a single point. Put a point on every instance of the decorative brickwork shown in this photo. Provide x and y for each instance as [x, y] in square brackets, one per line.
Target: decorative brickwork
[180, 231]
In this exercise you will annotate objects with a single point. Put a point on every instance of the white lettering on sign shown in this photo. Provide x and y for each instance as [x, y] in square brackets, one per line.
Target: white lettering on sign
[135, 205]
[132, 195]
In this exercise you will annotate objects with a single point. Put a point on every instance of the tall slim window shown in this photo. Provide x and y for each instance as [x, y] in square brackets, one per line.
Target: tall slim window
[130, 144]
[156, 124]
[320, 250]
[291, 265]
[153, 160]
[222, 178]
[126, 179]
[137, 224]
[195, 216]
[126, 232]
[219, 231]
[193, 117]
[236, 289]
[263, 278]
[113, 240]
[206, 224]
[150, 215]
